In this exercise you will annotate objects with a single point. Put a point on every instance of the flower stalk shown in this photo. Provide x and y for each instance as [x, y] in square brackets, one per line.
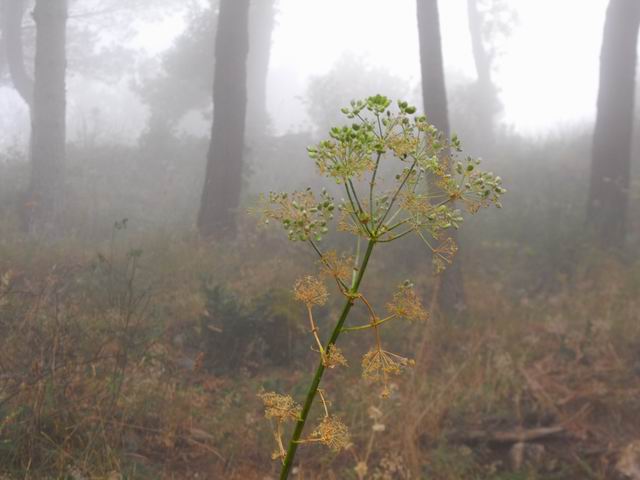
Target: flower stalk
[391, 209]
[313, 388]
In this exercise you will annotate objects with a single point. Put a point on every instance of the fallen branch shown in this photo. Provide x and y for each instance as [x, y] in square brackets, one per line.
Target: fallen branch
[515, 436]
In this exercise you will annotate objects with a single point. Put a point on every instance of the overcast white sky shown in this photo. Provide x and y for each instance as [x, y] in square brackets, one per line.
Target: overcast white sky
[548, 73]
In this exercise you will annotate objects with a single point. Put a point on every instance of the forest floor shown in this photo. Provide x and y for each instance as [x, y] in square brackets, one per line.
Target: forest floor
[136, 363]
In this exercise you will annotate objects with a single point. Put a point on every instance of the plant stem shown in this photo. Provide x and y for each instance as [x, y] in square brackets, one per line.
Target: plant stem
[313, 388]
[369, 325]
[395, 195]
[372, 185]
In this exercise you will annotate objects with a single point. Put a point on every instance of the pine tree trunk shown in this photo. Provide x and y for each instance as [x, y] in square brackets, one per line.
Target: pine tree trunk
[223, 178]
[3, 57]
[261, 25]
[434, 94]
[48, 115]
[480, 56]
[612, 138]
[13, 12]
[487, 102]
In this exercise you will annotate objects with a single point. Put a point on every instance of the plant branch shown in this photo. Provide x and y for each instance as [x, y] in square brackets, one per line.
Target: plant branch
[313, 388]
[372, 185]
[395, 195]
[369, 325]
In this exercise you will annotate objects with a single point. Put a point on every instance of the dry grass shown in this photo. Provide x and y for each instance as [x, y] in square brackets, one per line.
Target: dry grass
[97, 381]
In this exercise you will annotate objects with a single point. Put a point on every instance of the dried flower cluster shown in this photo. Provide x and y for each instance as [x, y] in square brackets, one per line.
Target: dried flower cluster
[378, 366]
[280, 407]
[338, 267]
[406, 304]
[419, 198]
[332, 433]
[334, 357]
[310, 291]
[443, 254]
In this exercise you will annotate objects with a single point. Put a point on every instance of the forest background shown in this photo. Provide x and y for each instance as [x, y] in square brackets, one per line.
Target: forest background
[142, 310]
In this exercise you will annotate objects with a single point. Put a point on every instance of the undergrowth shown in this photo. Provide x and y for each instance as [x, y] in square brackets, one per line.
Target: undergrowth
[567, 359]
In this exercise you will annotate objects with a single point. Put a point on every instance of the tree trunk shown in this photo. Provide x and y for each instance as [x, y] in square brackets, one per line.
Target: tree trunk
[3, 48]
[487, 102]
[434, 94]
[13, 13]
[611, 153]
[48, 115]
[481, 57]
[261, 24]
[223, 178]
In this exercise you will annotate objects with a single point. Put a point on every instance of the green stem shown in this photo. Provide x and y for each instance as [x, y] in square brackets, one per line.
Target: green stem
[396, 237]
[313, 388]
[355, 214]
[359, 205]
[372, 185]
[369, 325]
[395, 195]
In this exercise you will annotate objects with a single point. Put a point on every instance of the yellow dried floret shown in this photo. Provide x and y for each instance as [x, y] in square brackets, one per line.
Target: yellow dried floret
[417, 204]
[280, 407]
[334, 357]
[361, 469]
[378, 365]
[443, 254]
[333, 433]
[346, 224]
[311, 291]
[406, 304]
[336, 266]
[402, 145]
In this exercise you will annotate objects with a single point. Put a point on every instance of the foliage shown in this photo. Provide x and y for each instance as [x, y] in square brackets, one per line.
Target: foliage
[544, 240]
[350, 77]
[378, 212]
[235, 334]
[184, 83]
[71, 341]
[577, 343]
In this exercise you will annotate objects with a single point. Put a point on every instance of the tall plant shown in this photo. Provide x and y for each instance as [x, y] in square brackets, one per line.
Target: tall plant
[378, 209]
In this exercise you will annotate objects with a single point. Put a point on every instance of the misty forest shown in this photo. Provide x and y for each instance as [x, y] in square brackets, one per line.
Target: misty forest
[303, 239]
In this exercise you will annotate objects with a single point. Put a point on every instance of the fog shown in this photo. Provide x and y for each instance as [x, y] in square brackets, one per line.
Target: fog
[538, 89]
[319, 239]
[552, 56]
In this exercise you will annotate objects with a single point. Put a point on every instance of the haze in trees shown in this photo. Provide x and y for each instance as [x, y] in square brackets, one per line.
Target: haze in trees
[434, 97]
[612, 138]
[223, 178]
[244, 239]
